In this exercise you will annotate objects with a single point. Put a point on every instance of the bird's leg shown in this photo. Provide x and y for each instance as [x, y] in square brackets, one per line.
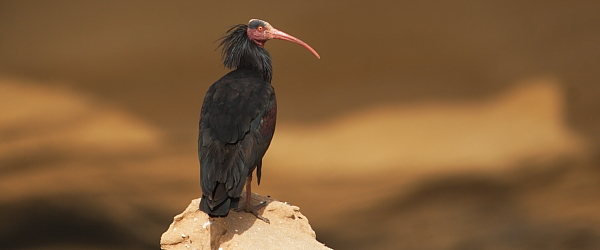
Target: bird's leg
[248, 206]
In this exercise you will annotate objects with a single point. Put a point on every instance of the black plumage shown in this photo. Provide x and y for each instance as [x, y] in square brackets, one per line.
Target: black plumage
[238, 117]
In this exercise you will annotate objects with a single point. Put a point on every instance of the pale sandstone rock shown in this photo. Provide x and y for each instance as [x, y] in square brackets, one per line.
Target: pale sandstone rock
[289, 229]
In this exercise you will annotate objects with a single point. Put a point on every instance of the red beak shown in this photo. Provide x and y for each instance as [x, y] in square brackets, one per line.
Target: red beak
[278, 34]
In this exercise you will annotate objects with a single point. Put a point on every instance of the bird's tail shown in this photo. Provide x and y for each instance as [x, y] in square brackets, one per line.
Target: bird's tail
[220, 210]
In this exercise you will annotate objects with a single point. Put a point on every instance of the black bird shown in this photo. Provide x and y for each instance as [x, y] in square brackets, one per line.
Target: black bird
[237, 120]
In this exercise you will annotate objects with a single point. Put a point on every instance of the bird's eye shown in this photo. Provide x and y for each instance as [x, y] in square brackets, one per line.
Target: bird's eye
[260, 28]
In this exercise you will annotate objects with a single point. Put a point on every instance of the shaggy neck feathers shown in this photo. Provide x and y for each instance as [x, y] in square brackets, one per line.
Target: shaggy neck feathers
[239, 52]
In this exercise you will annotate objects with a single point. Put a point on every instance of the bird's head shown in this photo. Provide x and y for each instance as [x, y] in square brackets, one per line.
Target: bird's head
[260, 32]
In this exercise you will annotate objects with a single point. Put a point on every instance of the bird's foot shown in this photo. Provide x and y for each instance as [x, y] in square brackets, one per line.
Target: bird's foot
[248, 208]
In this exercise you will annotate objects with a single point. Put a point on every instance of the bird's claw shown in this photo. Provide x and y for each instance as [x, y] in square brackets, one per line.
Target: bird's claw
[261, 217]
[254, 210]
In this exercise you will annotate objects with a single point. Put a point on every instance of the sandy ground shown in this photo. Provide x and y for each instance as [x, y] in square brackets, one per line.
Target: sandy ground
[287, 229]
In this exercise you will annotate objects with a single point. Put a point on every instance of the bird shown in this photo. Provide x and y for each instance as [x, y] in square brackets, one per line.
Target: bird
[237, 119]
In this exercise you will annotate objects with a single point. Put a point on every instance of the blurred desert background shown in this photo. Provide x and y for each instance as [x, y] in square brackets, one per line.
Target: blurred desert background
[425, 125]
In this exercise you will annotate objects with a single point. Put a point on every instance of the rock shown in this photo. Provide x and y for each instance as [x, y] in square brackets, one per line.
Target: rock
[194, 229]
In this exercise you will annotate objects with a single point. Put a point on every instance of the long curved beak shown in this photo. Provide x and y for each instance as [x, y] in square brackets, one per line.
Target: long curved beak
[278, 34]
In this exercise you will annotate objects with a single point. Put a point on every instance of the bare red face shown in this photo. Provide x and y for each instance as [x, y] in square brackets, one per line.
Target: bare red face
[260, 32]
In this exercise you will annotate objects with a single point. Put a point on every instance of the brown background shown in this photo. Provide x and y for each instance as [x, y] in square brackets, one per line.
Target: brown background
[425, 125]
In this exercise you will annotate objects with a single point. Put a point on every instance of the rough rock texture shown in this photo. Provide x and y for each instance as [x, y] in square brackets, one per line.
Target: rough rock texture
[289, 229]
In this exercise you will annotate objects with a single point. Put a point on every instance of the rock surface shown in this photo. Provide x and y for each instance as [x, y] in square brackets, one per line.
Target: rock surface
[289, 229]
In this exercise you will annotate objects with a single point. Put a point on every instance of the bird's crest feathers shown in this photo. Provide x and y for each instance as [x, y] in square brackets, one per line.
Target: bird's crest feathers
[239, 52]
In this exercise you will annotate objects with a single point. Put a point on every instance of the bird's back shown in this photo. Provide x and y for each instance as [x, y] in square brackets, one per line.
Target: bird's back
[236, 127]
